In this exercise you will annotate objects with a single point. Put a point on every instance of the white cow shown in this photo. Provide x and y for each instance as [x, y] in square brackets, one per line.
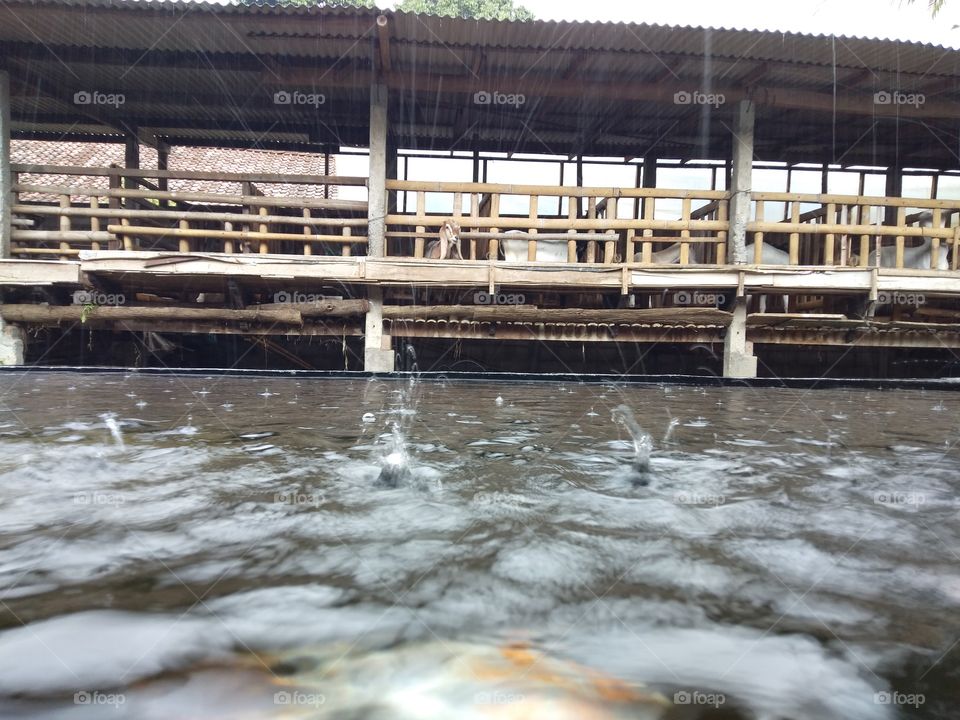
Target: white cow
[919, 256]
[515, 249]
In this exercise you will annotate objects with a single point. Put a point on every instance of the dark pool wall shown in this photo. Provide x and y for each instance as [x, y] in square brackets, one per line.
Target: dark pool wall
[103, 348]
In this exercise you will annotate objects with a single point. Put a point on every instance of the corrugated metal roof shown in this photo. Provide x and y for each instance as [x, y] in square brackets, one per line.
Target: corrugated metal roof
[207, 71]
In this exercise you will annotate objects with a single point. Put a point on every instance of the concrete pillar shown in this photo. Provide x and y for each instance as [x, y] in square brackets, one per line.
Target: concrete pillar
[6, 177]
[741, 181]
[738, 358]
[12, 345]
[377, 351]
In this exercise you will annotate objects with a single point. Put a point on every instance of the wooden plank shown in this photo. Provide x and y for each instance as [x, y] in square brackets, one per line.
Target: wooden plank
[95, 211]
[553, 190]
[529, 313]
[219, 234]
[56, 314]
[298, 202]
[280, 178]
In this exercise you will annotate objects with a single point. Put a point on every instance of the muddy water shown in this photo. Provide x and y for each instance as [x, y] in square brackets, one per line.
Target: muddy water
[792, 552]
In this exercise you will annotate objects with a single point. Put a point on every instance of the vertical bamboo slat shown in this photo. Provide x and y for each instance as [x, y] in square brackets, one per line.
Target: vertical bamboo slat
[532, 244]
[493, 248]
[828, 239]
[758, 236]
[264, 228]
[649, 209]
[307, 232]
[572, 215]
[685, 233]
[592, 244]
[184, 244]
[935, 242]
[901, 220]
[474, 214]
[94, 220]
[64, 222]
[722, 210]
[347, 248]
[795, 237]
[610, 246]
[864, 219]
[228, 244]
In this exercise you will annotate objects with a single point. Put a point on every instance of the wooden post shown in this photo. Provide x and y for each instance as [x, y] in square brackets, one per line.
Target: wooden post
[532, 244]
[649, 177]
[94, 220]
[163, 163]
[131, 160]
[377, 350]
[6, 178]
[64, 224]
[741, 181]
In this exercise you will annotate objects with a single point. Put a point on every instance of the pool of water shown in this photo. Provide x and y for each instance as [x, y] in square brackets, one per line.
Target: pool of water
[788, 553]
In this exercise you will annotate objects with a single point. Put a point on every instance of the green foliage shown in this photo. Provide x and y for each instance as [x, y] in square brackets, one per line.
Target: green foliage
[491, 9]
[935, 6]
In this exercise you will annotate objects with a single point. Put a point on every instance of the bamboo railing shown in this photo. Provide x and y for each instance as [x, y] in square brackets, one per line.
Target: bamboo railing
[90, 214]
[850, 230]
[600, 235]
[99, 208]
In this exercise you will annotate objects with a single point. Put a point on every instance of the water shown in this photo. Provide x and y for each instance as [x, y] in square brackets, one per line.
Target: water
[173, 541]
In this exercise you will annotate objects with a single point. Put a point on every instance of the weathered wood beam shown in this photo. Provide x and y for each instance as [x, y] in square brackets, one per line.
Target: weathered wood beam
[56, 314]
[528, 313]
[383, 44]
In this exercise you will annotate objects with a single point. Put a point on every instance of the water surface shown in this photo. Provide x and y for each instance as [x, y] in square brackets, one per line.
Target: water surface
[795, 551]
